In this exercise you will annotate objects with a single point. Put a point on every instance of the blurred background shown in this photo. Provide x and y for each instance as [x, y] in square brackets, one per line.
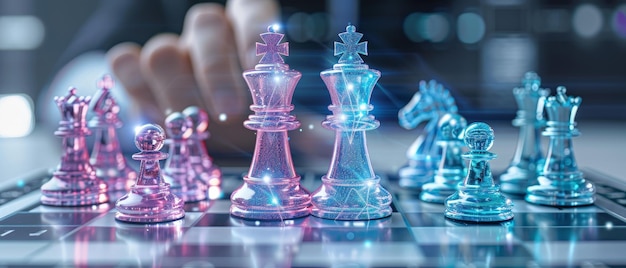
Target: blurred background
[478, 49]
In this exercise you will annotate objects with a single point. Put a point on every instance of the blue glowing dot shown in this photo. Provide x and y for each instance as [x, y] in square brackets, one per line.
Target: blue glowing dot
[21, 183]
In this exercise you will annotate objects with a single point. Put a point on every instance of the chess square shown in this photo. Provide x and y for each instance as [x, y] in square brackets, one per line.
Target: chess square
[108, 220]
[33, 233]
[48, 218]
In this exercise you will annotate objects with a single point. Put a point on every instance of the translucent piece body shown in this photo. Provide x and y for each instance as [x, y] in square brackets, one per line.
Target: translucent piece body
[560, 182]
[271, 190]
[178, 173]
[350, 190]
[427, 105]
[107, 158]
[479, 199]
[528, 159]
[451, 169]
[199, 158]
[74, 182]
[150, 199]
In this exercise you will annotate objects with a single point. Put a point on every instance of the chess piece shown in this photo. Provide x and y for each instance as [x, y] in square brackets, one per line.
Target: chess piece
[528, 159]
[106, 157]
[74, 182]
[178, 172]
[561, 183]
[150, 199]
[479, 199]
[271, 189]
[199, 159]
[427, 105]
[350, 190]
[451, 170]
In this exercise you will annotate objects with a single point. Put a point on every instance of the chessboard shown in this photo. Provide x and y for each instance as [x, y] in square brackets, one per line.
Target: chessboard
[416, 234]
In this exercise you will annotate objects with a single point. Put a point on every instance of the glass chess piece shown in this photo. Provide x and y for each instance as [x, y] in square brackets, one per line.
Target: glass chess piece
[271, 189]
[561, 183]
[150, 199]
[350, 190]
[183, 180]
[528, 159]
[74, 182]
[479, 199]
[431, 102]
[106, 157]
[199, 158]
[451, 170]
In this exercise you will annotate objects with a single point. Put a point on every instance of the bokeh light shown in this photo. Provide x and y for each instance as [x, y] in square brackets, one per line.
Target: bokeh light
[16, 115]
[470, 28]
[587, 20]
[619, 21]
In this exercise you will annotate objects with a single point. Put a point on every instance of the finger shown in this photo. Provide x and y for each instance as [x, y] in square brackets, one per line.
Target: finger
[249, 18]
[168, 72]
[124, 62]
[209, 39]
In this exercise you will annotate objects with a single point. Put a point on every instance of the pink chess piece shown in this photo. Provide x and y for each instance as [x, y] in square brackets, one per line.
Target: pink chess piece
[74, 182]
[150, 199]
[199, 158]
[178, 172]
[106, 157]
[271, 189]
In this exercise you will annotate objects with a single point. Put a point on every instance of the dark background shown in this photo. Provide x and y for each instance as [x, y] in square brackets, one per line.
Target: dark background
[409, 41]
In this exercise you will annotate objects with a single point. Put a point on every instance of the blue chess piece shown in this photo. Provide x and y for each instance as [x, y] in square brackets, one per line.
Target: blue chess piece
[451, 170]
[561, 183]
[350, 190]
[528, 159]
[479, 199]
[428, 105]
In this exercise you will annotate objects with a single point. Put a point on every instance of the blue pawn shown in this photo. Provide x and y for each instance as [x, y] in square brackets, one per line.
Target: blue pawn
[479, 199]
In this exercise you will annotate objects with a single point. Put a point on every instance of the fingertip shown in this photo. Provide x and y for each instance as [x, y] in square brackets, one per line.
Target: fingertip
[209, 40]
[249, 18]
[124, 60]
[158, 51]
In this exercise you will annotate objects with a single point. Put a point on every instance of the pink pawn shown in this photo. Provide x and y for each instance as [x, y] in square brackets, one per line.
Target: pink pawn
[199, 159]
[150, 199]
[178, 172]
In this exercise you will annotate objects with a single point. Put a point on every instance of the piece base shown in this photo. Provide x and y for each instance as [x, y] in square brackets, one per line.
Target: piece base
[414, 178]
[267, 201]
[478, 205]
[436, 193]
[515, 180]
[337, 199]
[552, 196]
[57, 192]
[146, 207]
[351, 214]
[277, 214]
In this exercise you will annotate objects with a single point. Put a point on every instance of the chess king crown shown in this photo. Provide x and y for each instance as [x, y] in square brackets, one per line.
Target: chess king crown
[561, 110]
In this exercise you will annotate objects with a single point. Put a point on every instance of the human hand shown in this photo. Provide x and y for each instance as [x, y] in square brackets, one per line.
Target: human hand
[201, 67]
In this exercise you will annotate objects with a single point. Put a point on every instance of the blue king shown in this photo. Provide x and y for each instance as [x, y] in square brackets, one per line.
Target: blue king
[350, 190]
